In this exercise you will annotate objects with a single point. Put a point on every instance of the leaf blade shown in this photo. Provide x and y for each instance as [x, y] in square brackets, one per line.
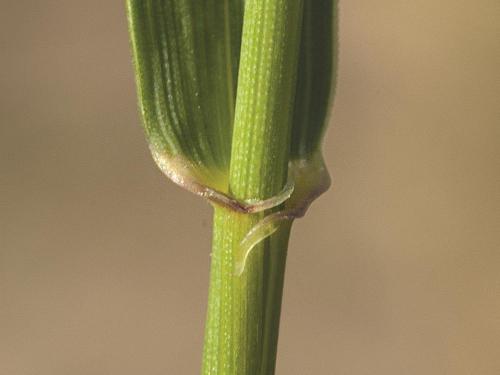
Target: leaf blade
[186, 56]
[316, 77]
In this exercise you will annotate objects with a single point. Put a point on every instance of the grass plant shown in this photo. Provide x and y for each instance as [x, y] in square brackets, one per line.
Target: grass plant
[234, 97]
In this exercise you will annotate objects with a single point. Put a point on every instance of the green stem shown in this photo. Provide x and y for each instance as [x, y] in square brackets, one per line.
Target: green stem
[243, 311]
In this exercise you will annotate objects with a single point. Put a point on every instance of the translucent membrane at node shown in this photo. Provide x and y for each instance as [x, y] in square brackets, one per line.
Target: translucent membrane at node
[311, 179]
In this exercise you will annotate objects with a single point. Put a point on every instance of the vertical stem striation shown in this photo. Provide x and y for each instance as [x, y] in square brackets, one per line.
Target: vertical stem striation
[243, 311]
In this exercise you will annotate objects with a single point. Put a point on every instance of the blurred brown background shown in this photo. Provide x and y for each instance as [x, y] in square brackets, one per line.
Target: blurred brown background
[104, 264]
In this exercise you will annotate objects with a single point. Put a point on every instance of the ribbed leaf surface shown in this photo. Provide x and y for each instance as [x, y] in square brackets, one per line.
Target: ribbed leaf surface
[186, 61]
[316, 77]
